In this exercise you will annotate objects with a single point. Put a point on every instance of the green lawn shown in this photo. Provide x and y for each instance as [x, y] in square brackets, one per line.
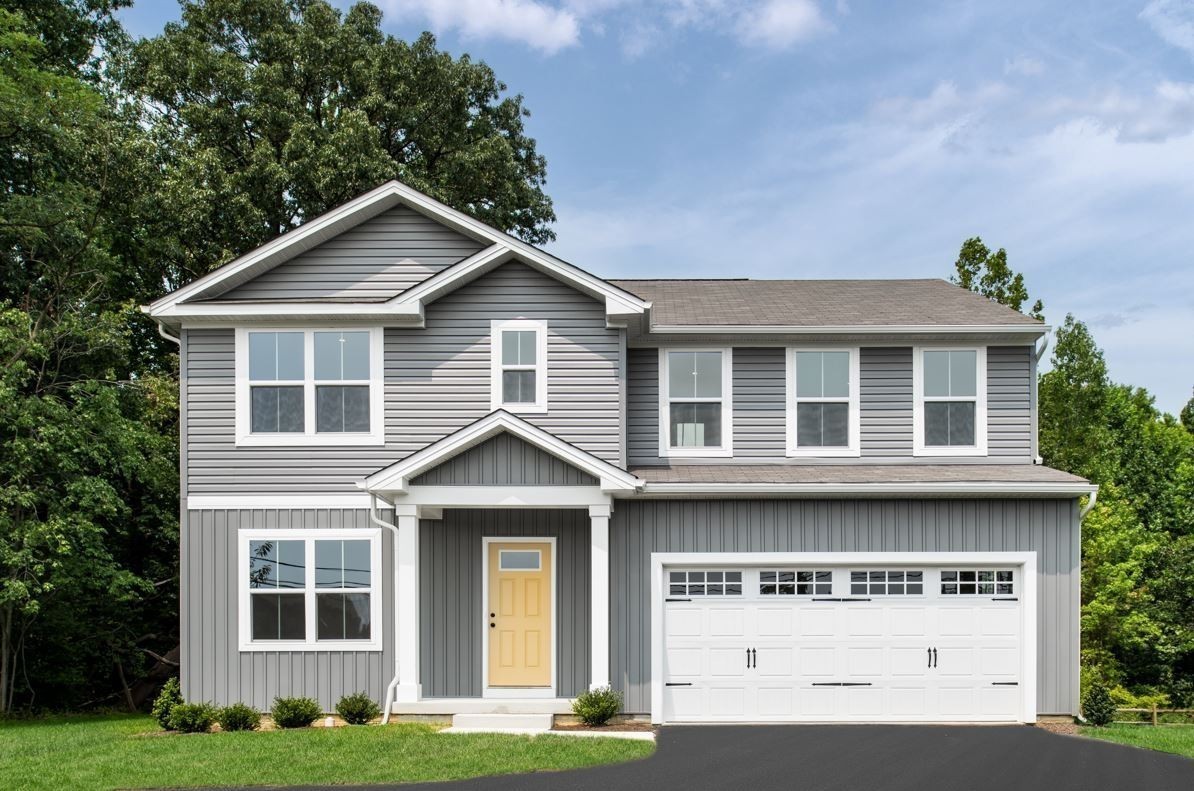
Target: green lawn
[130, 752]
[1166, 738]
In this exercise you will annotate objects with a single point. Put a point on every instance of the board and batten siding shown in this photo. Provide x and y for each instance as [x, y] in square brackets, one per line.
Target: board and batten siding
[1048, 527]
[378, 259]
[885, 404]
[505, 460]
[452, 601]
[213, 668]
[437, 380]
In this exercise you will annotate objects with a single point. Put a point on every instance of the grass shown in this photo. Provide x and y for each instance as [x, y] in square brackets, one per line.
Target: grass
[126, 751]
[1165, 738]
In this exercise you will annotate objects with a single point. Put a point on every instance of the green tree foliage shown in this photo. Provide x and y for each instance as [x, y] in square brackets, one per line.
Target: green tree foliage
[268, 112]
[987, 273]
[1187, 416]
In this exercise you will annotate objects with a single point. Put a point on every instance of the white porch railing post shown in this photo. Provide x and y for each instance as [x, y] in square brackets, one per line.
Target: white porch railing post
[406, 578]
[599, 582]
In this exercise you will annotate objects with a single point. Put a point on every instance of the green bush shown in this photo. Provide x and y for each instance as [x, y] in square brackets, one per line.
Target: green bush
[295, 712]
[597, 706]
[238, 717]
[357, 709]
[168, 698]
[192, 717]
[1097, 705]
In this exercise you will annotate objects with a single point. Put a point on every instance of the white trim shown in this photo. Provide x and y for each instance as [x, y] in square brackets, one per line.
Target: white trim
[232, 502]
[979, 448]
[851, 329]
[516, 692]
[397, 476]
[726, 449]
[853, 400]
[310, 437]
[917, 489]
[501, 496]
[599, 596]
[1028, 604]
[309, 537]
[497, 367]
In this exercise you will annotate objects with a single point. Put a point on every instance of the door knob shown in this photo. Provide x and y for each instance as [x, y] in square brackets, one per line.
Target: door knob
[492, 625]
[492, 615]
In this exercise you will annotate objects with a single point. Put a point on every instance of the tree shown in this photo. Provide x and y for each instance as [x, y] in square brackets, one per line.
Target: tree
[1187, 416]
[987, 273]
[269, 112]
[1073, 399]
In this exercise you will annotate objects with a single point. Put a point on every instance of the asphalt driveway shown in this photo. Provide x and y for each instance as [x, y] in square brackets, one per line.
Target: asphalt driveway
[866, 758]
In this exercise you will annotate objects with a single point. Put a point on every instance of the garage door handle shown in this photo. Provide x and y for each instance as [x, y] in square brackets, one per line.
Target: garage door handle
[930, 650]
[678, 684]
[934, 657]
[840, 599]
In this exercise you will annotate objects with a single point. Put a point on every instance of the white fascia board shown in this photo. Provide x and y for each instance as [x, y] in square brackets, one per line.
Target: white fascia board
[396, 477]
[234, 502]
[273, 311]
[949, 489]
[851, 329]
[502, 497]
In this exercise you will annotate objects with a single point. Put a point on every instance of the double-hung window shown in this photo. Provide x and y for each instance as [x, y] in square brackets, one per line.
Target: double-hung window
[309, 387]
[310, 589]
[518, 361]
[950, 417]
[823, 408]
[695, 403]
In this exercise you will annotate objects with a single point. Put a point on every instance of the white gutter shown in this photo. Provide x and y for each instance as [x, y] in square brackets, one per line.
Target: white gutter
[162, 331]
[852, 329]
[375, 519]
[1094, 498]
[1041, 351]
[921, 489]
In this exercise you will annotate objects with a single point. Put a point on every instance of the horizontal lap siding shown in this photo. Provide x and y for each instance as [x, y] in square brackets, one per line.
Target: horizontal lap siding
[452, 604]
[437, 381]
[885, 401]
[1009, 401]
[759, 408]
[379, 258]
[215, 670]
[1048, 527]
[505, 460]
[642, 406]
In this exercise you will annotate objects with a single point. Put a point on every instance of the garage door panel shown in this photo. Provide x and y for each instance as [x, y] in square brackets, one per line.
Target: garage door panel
[684, 661]
[910, 661]
[864, 702]
[955, 621]
[727, 662]
[684, 622]
[864, 621]
[999, 661]
[907, 621]
[909, 701]
[954, 661]
[864, 662]
[993, 700]
[727, 702]
[777, 702]
[818, 702]
[775, 621]
[817, 621]
[775, 662]
[999, 622]
[814, 662]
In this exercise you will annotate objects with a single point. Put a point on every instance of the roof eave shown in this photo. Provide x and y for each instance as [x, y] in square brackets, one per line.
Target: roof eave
[952, 489]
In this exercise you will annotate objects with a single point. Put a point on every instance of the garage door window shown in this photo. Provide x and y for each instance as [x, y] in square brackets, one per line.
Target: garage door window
[887, 583]
[795, 582]
[705, 583]
[959, 582]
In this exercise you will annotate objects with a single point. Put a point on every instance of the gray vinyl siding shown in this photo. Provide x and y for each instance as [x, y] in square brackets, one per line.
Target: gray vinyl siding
[377, 259]
[885, 403]
[212, 666]
[505, 460]
[452, 604]
[1048, 527]
[437, 380]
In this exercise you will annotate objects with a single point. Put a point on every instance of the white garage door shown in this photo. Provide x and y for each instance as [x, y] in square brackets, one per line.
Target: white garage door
[848, 643]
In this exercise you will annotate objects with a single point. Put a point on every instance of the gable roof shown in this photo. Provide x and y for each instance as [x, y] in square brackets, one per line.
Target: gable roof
[878, 304]
[501, 247]
[398, 476]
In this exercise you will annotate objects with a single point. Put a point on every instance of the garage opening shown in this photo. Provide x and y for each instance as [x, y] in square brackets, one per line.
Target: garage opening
[855, 641]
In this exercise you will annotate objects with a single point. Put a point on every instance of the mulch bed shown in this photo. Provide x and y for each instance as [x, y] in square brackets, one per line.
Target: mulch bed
[1064, 728]
[613, 726]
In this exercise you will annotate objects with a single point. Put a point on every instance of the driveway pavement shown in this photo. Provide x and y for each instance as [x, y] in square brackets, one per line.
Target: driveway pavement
[865, 758]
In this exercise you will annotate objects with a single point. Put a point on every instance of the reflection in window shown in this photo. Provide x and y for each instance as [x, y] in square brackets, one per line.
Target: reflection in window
[695, 399]
[704, 583]
[882, 582]
[972, 582]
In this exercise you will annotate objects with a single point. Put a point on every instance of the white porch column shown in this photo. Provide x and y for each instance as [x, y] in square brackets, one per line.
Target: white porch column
[406, 582]
[599, 574]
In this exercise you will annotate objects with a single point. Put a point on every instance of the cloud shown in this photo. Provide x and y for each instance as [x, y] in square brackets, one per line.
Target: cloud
[541, 26]
[1173, 21]
[1165, 113]
[1023, 66]
[778, 24]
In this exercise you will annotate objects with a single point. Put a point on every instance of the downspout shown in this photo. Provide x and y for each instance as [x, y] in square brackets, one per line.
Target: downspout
[173, 339]
[377, 520]
[1036, 404]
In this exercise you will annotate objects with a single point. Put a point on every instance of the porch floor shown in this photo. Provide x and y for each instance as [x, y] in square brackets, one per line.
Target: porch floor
[449, 706]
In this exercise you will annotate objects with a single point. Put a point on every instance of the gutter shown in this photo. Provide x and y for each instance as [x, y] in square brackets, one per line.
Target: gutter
[959, 489]
[851, 329]
[377, 520]
[1090, 503]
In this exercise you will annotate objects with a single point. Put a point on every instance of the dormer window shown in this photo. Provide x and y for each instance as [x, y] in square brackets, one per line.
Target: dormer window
[695, 403]
[309, 387]
[518, 361]
[950, 387]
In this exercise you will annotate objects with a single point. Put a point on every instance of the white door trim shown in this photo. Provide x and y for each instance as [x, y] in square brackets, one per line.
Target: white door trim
[515, 692]
[1028, 595]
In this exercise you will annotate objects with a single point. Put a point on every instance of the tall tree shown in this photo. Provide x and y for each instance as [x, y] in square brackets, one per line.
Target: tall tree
[1072, 401]
[269, 112]
[987, 273]
[1187, 416]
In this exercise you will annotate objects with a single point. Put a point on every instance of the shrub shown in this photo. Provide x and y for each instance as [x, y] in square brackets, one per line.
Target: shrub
[1097, 705]
[597, 706]
[238, 717]
[168, 698]
[295, 712]
[357, 709]
[192, 717]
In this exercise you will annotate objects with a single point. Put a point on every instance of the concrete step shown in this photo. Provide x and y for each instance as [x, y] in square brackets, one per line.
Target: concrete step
[502, 722]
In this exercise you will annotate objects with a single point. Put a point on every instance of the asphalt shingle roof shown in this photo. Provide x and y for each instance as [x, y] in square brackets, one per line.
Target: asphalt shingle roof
[818, 303]
[855, 473]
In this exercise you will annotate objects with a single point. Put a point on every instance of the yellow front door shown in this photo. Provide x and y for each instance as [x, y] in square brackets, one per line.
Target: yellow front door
[519, 622]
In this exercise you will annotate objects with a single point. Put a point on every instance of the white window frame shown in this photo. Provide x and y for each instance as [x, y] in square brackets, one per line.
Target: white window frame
[726, 449]
[311, 643]
[309, 436]
[979, 448]
[496, 328]
[854, 422]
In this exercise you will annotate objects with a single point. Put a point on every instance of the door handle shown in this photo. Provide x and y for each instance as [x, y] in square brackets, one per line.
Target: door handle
[492, 615]
[930, 652]
[934, 657]
[754, 656]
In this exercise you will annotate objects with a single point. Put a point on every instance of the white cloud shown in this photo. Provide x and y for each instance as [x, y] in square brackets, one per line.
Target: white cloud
[1173, 21]
[1023, 66]
[778, 24]
[540, 25]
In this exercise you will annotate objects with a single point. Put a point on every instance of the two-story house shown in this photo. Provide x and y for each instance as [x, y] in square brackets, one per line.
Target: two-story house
[423, 459]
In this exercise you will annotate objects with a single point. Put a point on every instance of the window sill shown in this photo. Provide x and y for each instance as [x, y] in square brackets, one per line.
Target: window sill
[521, 409]
[823, 453]
[696, 453]
[322, 646]
[946, 452]
[309, 440]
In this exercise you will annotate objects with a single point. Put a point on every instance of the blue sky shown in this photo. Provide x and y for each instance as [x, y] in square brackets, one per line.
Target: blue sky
[814, 138]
